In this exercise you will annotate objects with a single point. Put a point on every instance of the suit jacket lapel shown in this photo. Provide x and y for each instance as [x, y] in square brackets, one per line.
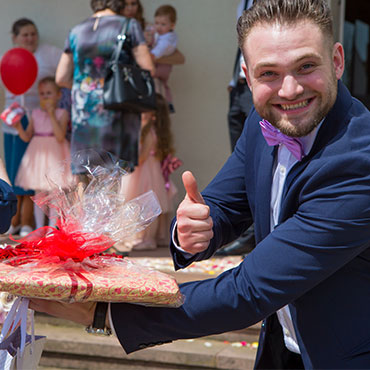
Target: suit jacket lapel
[263, 190]
[333, 123]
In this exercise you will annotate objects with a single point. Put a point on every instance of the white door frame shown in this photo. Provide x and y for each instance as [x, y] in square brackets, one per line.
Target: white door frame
[338, 8]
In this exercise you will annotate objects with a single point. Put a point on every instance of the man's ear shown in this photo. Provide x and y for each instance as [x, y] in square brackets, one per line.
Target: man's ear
[338, 60]
[245, 70]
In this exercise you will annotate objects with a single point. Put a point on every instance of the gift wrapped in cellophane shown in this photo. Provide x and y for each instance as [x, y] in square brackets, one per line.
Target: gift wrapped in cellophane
[67, 262]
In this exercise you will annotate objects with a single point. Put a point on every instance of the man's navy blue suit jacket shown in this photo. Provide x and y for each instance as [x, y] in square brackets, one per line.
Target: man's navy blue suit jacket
[317, 259]
[8, 205]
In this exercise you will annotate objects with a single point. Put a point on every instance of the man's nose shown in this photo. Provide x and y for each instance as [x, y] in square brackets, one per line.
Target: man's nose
[290, 88]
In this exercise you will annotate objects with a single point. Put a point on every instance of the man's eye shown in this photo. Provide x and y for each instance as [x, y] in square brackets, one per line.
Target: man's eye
[307, 66]
[267, 74]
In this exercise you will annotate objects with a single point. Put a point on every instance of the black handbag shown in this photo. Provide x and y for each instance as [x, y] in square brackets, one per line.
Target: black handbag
[127, 87]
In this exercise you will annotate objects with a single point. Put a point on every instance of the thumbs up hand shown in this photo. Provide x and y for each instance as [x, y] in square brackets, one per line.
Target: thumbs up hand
[194, 223]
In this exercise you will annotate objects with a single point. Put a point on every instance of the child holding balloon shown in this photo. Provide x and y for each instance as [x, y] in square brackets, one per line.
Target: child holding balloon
[46, 162]
[17, 68]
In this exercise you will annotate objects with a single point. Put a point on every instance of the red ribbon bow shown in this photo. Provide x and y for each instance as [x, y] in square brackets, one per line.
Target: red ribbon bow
[73, 250]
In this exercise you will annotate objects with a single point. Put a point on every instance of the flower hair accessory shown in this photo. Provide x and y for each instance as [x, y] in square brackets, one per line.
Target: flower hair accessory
[168, 166]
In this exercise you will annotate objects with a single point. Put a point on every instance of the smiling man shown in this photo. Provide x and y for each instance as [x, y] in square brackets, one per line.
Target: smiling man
[293, 76]
[308, 193]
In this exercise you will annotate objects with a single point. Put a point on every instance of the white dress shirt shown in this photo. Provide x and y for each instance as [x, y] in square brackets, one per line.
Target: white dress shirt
[283, 164]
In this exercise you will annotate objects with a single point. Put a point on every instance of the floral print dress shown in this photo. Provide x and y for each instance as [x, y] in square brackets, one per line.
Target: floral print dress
[91, 44]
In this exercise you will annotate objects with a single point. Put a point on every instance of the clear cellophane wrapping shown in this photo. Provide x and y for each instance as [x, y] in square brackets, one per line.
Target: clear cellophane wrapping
[67, 262]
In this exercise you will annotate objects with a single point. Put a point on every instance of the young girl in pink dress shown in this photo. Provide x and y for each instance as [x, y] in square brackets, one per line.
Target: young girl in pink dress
[156, 162]
[46, 162]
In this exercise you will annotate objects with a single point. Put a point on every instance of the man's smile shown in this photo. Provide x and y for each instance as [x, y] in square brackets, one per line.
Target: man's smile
[286, 107]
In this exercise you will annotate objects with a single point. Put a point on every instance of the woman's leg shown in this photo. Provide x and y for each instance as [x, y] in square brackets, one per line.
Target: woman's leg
[27, 211]
[39, 216]
[16, 220]
[52, 216]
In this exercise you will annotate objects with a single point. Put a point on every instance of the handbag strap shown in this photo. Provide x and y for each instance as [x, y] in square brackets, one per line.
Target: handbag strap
[121, 40]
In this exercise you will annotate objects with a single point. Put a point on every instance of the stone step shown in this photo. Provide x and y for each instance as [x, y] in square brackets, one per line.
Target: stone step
[70, 347]
[249, 335]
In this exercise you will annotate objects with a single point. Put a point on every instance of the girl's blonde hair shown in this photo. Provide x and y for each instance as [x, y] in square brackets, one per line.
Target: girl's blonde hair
[162, 127]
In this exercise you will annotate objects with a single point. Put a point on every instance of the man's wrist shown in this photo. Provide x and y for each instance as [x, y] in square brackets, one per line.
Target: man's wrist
[176, 242]
[99, 325]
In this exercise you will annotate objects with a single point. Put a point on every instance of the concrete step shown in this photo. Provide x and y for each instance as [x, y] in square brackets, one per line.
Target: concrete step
[70, 347]
[248, 335]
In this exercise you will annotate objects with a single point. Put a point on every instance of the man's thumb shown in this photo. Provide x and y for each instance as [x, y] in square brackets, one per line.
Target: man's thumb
[191, 187]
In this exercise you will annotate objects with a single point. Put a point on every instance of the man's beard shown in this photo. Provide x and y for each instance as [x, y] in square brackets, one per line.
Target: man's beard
[300, 129]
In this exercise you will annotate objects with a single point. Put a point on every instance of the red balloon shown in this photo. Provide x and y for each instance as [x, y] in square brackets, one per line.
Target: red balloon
[18, 69]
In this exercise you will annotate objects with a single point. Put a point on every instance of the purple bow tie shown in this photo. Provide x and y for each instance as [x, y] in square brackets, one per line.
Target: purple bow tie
[274, 137]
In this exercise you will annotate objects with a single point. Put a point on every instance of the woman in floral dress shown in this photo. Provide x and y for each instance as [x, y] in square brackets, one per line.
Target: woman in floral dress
[88, 50]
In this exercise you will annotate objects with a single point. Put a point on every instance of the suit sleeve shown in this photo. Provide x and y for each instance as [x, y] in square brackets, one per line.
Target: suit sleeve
[8, 205]
[227, 199]
[328, 234]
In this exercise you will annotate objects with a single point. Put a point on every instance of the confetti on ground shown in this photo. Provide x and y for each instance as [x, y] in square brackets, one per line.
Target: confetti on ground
[241, 344]
[253, 345]
[212, 266]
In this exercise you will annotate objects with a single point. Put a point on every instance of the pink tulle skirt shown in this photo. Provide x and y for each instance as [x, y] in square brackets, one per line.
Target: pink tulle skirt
[45, 164]
[148, 176]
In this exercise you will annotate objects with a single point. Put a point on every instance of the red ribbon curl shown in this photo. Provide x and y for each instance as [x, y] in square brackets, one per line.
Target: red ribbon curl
[73, 249]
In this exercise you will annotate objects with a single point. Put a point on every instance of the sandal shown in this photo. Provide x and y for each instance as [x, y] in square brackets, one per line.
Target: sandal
[114, 250]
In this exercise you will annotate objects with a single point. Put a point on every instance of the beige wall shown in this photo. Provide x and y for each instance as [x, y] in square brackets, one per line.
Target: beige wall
[207, 37]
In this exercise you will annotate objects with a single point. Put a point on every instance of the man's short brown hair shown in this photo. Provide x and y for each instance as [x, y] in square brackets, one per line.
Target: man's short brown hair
[286, 12]
[167, 10]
